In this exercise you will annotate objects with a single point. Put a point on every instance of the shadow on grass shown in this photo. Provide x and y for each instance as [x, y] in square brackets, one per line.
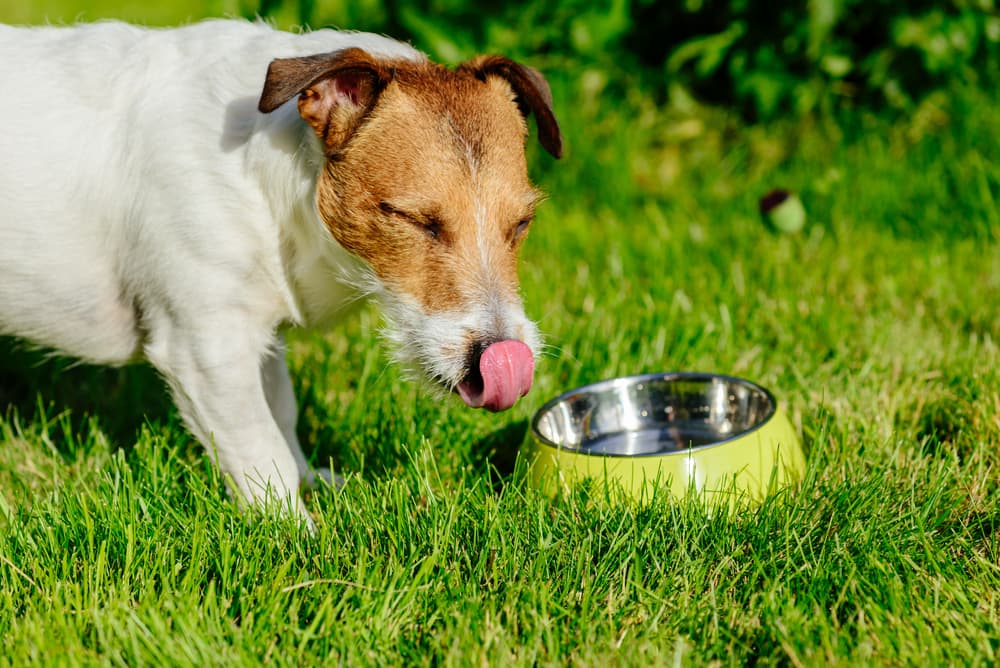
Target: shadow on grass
[36, 384]
[495, 455]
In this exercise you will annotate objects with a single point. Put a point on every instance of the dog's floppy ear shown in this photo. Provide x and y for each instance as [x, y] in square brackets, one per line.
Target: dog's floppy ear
[532, 91]
[336, 90]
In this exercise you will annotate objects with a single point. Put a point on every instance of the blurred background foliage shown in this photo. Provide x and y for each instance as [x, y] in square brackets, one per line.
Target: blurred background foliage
[763, 58]
[650, 92]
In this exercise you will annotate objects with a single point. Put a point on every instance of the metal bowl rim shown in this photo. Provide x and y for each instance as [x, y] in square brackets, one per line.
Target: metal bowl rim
[638, 378]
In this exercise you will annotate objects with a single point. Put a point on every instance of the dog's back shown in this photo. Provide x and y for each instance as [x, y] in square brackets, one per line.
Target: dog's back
[115, 138]
[63, 121]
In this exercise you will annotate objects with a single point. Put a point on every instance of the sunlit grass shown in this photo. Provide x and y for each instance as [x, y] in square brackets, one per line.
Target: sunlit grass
[876, 327]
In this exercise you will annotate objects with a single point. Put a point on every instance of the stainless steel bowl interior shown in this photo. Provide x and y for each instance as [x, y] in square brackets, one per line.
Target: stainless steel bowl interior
[653, 414]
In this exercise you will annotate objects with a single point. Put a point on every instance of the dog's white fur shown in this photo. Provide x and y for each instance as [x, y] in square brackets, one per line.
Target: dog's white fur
[148, 210]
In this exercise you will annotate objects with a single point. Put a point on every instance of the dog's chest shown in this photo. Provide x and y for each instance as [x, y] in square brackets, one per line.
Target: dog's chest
[328, 282]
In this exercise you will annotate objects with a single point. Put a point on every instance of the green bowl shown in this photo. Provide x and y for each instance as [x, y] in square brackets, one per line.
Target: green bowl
[720, 437]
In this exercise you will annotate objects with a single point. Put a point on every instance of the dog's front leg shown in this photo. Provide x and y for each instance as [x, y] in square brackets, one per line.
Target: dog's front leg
[281, 398]
[215, 372]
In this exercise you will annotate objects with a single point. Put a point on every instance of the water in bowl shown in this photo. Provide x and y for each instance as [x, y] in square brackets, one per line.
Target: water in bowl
[648, 442]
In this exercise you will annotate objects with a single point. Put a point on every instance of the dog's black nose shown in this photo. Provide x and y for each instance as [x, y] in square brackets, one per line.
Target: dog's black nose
[473, 376]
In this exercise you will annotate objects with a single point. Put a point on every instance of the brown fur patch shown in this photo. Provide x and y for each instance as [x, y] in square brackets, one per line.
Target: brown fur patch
[431, 189]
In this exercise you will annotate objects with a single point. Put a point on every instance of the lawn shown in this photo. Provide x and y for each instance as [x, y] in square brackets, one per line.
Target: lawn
[877, 327]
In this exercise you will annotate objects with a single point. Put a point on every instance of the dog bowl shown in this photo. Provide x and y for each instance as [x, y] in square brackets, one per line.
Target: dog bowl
[677, 432]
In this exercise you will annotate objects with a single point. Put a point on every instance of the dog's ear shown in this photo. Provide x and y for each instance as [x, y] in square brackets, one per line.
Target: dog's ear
[532, 91]
[336, 90]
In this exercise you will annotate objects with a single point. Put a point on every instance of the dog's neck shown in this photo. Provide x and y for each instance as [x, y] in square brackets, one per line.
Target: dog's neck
[322, 278]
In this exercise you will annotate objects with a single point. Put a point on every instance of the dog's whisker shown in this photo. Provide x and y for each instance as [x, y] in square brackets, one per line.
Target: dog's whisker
[551, 351]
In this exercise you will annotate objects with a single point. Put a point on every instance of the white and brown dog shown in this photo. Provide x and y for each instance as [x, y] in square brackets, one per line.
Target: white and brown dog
[163, 198]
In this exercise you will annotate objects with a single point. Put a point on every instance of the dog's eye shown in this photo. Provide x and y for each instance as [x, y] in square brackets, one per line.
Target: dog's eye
[427, 223]
[521, 228]
[431, 225]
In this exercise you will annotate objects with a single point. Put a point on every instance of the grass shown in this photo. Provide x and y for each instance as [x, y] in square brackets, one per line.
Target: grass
[876, 327]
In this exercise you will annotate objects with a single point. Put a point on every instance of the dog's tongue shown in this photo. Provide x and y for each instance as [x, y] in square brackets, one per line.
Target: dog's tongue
[507, 368]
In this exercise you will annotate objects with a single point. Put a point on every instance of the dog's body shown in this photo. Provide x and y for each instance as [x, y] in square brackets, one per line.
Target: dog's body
[163, 199]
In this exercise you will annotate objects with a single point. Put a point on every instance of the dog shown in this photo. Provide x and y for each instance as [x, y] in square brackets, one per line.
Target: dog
[184, 195]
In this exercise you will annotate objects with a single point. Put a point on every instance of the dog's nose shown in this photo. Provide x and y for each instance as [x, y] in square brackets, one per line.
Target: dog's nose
[473, 376]
[498, 374]
[476, 351]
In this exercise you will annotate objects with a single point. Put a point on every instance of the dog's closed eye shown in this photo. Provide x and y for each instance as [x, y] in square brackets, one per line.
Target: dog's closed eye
[428, 223]
[521, 229]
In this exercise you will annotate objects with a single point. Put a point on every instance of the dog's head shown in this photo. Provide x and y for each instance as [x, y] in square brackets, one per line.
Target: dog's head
[425, 179]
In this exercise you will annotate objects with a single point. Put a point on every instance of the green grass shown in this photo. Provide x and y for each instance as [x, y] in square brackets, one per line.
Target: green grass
[876, 327]
[148, 13]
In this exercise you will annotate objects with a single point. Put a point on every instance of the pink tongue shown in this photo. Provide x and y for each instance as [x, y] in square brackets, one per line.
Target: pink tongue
[507, 368]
